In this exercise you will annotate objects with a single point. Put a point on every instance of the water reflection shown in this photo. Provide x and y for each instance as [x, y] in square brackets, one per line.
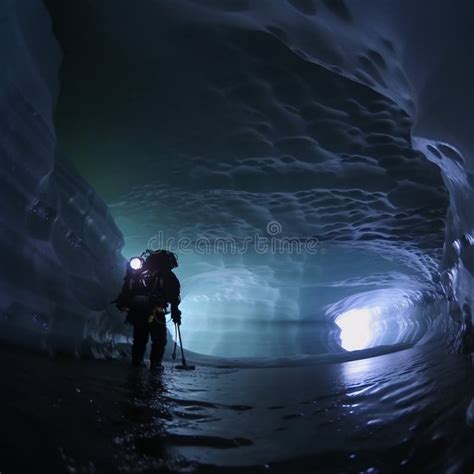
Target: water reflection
[145, 413]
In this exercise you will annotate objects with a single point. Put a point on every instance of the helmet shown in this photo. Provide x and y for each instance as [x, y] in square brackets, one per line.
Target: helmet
[160, 259]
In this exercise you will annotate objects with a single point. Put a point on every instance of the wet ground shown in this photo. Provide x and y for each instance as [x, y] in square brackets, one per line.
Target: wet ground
[400, 412]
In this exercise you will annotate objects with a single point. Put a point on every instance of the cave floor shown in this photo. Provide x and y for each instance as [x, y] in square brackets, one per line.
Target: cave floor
[400, 412]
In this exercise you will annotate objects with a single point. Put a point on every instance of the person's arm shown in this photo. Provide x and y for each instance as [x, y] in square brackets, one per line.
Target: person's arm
[174, 297]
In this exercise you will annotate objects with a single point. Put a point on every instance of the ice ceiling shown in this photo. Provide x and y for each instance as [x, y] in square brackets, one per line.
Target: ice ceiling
[199, 120]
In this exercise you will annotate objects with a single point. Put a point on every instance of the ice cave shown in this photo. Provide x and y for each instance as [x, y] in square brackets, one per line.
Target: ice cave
[310, 164]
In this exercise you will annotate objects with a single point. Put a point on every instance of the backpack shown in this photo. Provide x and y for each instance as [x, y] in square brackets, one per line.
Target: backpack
[146, 291]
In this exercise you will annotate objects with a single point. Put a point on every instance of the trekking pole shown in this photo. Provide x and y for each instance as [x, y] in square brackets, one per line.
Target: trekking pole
[173, 355]
[183, 366]
[183, 360]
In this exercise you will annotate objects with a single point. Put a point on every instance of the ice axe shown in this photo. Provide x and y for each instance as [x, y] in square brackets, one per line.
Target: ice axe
[183, 365]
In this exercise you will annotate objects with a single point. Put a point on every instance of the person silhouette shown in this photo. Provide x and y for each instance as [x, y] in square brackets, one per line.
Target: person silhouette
[149, 291]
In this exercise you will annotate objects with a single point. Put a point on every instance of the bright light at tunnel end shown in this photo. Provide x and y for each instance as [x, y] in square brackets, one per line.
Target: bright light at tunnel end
[357, 328]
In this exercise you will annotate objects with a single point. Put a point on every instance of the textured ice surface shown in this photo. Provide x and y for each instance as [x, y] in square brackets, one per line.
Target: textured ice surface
[59, 247]
[296, 112]
[457, 267]
[245, 112]
[290, 112]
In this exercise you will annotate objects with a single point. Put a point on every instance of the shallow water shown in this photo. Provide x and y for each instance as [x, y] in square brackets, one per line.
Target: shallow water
[400, 412]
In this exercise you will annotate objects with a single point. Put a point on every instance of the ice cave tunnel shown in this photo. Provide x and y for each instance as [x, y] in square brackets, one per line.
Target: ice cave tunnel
[310, 161]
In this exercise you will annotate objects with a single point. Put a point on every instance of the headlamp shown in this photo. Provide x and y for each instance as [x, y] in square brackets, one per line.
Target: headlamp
[136, 263]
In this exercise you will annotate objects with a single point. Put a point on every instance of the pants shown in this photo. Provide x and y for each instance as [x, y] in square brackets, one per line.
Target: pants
[142, 331]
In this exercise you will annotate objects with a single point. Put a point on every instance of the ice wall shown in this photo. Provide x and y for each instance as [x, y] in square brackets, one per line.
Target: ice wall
[59, 246]
[457, 266]
[441, 89]
[240, 114]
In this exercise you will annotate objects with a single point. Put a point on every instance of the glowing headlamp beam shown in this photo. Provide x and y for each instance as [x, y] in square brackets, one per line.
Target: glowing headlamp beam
[136, 263]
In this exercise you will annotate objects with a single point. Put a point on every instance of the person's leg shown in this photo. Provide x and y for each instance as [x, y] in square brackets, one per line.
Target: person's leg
[158, 341]
[140, 340]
